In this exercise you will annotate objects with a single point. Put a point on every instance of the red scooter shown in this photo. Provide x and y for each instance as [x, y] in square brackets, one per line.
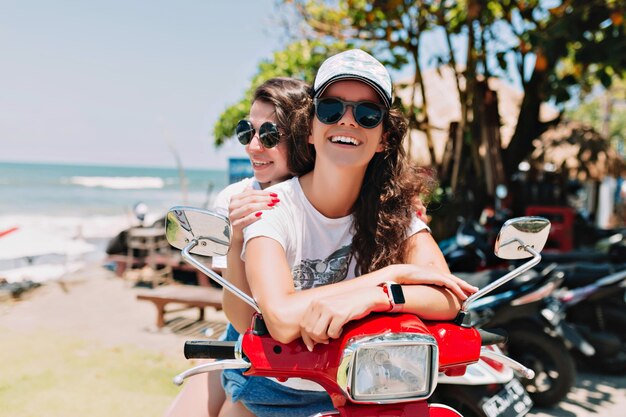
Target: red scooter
[381, 365]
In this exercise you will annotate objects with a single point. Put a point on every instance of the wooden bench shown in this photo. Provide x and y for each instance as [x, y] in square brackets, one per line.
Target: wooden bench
[189, 295]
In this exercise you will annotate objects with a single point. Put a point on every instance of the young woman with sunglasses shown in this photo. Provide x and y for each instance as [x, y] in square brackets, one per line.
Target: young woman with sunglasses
[349, 214]
[262, 134]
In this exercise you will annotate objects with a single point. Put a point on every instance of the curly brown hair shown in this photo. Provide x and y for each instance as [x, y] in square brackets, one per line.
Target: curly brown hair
[385, 207]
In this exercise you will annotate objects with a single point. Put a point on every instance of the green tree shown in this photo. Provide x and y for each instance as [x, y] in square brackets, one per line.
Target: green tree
[553, 51]
[299, 59]
[605, 111]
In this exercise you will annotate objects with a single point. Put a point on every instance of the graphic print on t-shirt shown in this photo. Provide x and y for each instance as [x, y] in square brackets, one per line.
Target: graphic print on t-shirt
[316, 272]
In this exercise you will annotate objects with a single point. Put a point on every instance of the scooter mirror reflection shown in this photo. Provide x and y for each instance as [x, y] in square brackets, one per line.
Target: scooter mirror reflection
[519, 232]
[210, 230]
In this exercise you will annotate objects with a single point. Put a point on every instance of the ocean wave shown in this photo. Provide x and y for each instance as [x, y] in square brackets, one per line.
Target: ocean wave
[70, 227]
[119, 183]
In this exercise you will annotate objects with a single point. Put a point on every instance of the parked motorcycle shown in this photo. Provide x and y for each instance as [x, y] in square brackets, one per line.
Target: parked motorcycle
[539, 337]
[470, 249]
[383, 364]
[593, 299]
[487, 389]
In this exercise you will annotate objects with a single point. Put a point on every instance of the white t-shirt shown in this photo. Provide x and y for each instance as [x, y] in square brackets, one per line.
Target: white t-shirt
[222, 201]
[318, 248]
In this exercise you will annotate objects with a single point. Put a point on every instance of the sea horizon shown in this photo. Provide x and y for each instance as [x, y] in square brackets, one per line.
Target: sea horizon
[96, 201]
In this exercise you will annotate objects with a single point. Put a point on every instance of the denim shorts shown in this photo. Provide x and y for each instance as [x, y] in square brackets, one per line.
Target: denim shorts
[266, 398]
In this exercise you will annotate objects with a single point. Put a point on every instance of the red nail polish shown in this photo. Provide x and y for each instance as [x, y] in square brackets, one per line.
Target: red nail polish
[258, 213]
[275, 200]
[273, 195]
[271, 204]
[419, 214]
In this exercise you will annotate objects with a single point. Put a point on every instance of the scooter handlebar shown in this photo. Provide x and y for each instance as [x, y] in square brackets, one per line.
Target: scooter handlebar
[209, 349]
[493, 336]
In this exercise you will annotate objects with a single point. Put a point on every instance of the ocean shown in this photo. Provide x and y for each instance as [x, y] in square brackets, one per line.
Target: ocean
[96, 202]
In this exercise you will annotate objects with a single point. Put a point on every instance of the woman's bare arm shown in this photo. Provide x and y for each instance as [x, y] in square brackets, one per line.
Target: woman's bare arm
[244, 209]
[284, 308]
[430, 302]
[426, 294]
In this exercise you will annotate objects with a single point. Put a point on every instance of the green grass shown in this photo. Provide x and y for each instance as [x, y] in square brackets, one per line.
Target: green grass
[47, 375]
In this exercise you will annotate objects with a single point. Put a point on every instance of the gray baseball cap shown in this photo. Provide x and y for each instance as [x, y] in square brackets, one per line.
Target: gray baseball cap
[354, 64]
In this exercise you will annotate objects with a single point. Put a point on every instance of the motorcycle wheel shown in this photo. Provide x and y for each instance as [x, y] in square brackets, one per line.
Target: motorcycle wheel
[554, 367]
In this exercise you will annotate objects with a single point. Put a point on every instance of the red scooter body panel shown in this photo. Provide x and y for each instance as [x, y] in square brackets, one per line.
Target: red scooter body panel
[457, 347]
[416, 409]
[271, 358]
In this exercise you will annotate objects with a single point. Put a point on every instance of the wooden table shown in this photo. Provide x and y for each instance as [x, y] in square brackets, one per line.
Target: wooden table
[191, 296]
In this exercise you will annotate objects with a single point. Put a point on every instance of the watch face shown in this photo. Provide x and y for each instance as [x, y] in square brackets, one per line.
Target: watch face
[397, 293]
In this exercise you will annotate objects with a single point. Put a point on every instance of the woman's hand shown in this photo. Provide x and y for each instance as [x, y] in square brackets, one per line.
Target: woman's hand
[246, 208]
[327, 316]
[409, 274]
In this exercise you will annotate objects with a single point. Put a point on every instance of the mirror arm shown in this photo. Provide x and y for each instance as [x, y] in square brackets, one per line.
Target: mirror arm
[503, 280]
[216, 277]
[211, 366]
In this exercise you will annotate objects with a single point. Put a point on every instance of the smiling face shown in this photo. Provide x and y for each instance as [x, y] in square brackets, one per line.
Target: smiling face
[269, 165]
[345, 143]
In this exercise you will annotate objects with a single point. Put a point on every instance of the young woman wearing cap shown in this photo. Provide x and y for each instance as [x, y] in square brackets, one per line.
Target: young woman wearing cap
[350, 214]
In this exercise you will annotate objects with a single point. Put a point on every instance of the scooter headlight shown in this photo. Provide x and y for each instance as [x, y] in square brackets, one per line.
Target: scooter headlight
[393, 367]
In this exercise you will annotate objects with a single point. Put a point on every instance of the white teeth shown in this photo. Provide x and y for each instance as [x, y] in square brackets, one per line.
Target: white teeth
[260, 164]
[344, 139]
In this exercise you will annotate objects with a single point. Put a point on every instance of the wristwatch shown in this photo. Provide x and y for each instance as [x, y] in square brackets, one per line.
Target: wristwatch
[394, 294]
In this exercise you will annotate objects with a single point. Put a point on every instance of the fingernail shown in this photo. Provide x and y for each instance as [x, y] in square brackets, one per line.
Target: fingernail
[275, 200]
[273, 195]
[271, 204]
[419, 214]
[258, 213]
[310, 348]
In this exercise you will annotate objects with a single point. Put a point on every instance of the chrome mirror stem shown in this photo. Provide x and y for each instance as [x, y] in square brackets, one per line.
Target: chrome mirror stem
[216, 277]
[506, 278]
[211, 366]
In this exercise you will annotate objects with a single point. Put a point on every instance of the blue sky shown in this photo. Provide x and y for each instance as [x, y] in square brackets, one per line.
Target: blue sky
[125, 82]
[117, 82]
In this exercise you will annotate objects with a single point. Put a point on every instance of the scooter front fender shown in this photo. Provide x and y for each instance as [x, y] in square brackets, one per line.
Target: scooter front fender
[415, 409]
[441, 410]
[433, 410]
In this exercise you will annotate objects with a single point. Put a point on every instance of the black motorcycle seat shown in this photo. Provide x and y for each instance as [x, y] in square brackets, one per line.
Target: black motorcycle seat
[581, 274]
[575, 256]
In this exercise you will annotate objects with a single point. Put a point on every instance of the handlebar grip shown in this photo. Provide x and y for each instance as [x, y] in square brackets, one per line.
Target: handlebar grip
[209, 349]
[492, 336]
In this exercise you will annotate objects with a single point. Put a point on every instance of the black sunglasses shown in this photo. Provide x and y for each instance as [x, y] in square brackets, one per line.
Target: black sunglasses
[269, 136]
[330, 110]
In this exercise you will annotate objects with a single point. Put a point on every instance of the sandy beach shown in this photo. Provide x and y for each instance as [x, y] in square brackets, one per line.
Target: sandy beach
[95, 306]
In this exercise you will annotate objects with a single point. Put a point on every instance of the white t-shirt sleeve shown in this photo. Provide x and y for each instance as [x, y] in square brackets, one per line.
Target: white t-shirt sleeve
[272, 225]
[417, 225]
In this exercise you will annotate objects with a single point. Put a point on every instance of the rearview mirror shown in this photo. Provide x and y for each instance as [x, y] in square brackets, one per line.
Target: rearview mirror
[520, 232]
[210, 230]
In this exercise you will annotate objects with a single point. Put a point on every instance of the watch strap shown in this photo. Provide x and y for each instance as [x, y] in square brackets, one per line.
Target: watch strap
[394, 304]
